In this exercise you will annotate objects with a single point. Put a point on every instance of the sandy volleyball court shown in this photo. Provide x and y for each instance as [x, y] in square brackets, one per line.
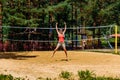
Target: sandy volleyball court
[40, 64]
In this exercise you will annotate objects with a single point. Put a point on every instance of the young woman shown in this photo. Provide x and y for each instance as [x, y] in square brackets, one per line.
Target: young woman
[61, 40]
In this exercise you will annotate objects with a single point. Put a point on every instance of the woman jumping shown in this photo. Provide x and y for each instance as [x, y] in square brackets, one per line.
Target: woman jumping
[61, 40]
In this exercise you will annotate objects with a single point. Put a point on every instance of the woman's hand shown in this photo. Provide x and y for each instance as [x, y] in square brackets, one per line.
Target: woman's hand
[56, 23]
[65, 23]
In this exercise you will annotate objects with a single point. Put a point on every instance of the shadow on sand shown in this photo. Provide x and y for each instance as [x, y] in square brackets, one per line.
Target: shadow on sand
[15, 55]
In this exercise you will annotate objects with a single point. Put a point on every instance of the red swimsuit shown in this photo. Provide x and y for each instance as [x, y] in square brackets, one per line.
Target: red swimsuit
[61, 38]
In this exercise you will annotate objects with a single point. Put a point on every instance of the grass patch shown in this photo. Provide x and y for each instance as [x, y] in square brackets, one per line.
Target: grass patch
[9, 77]
[85, 75]
[65, 75]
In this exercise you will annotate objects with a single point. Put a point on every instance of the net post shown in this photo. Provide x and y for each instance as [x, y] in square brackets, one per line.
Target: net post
[116, 27]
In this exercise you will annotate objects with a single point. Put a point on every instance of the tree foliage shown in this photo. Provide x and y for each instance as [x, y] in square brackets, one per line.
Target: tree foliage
[40, 13]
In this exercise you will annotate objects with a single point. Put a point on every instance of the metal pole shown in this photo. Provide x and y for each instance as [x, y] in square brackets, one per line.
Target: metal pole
[72, 27]
[116, 51]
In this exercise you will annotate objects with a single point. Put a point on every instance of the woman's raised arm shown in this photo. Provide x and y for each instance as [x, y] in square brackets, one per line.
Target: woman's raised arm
[57, 28]
[64, 28]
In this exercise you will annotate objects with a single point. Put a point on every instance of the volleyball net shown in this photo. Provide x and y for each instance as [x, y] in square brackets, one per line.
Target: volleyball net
[76, 38]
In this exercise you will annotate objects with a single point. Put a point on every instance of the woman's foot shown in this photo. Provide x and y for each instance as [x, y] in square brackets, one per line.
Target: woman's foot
[66, 58]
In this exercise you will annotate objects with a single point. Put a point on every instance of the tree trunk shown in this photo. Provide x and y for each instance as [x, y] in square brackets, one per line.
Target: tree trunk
[94, 25]
[43, 18]
[72, 26]
[76, 23]
[0, 15]
[0, 20]
[99, 32]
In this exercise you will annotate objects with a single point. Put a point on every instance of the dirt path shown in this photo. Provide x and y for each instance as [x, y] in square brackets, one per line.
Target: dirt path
[40, 64]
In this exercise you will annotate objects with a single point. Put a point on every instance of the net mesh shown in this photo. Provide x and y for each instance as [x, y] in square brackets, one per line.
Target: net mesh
[28, 38]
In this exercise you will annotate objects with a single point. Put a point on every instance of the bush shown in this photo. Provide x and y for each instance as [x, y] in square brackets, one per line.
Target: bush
[9, 77]
[6, 77]
[65, 75]
[48, 79]
[85, 75]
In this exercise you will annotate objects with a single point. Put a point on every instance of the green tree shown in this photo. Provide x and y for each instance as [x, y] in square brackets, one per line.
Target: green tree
[42, 13]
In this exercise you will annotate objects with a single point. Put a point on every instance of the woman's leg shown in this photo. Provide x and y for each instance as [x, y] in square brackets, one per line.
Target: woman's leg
[64, 48]
[58, 45]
